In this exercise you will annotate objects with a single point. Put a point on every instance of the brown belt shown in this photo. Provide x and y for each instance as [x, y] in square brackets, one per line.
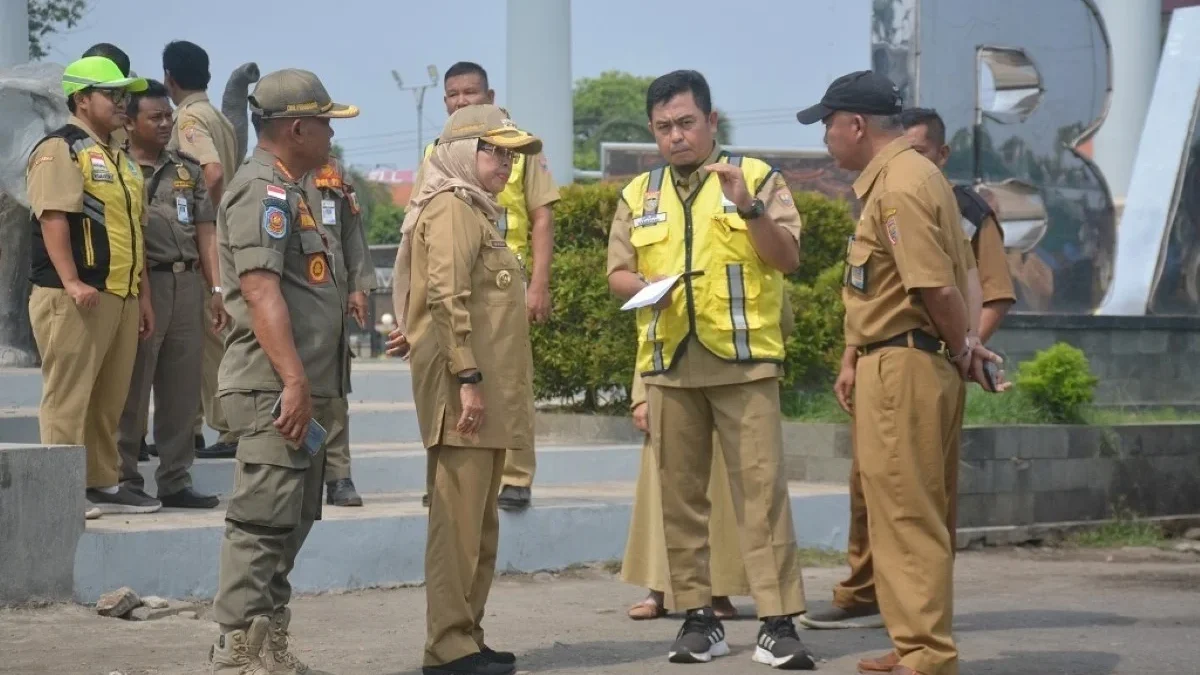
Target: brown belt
[916, 339]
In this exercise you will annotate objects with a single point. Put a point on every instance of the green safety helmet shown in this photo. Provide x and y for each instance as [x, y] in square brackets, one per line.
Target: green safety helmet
[100, 73]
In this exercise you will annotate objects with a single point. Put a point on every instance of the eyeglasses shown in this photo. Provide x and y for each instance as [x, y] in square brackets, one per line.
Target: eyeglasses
[502, 154]
[117, 96]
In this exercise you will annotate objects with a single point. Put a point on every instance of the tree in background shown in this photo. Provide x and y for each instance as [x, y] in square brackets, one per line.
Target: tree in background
[47, 17]
[380, 215]
[612, 107]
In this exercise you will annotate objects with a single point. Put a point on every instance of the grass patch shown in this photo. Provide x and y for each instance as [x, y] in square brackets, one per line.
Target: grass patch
[982, 409]
[1119, 534]
[821, 557]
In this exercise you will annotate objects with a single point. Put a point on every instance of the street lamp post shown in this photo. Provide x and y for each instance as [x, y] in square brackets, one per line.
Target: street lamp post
[419, 94]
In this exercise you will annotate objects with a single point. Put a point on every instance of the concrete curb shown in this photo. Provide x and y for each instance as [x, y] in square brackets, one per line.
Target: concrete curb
[369, 552]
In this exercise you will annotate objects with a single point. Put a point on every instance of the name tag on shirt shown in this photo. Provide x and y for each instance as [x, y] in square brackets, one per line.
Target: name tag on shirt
[181, 210]
[328, 212]
[650, 220]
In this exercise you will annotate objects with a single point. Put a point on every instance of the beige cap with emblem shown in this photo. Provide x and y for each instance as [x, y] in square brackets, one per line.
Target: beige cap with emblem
[489, 123]
[295, 93]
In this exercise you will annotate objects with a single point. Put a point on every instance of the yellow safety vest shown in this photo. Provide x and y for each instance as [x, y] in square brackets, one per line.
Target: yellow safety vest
[733, 306]
[514, 221]
[106, 235]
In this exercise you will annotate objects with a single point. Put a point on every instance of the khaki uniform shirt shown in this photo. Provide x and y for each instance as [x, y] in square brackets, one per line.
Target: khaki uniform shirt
[264, 223]
[52, 178]
[696, 366]
[909, 237]
[993, 264]
[467, 310]
[179, 202]
[205, 133]
[341, 215]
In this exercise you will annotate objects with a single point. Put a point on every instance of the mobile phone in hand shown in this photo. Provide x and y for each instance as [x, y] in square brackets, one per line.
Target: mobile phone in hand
[314, 439]
[990, 374]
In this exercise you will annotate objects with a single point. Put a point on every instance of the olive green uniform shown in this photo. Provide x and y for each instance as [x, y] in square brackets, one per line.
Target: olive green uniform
[178, 205]
[341, 215]
[205, 133]
[265, 224]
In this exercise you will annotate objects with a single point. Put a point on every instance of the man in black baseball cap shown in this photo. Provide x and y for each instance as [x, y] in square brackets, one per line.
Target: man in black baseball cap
[852, 104]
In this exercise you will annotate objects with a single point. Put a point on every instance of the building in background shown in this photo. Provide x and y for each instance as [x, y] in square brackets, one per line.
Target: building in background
[397, 182]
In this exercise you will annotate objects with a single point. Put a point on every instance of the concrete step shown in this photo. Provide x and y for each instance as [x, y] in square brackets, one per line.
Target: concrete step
[378, 380]
[175, 553]
[394, 467]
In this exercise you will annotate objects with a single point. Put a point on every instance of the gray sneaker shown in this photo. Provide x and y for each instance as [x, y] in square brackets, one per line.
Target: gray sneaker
[834, 618]
[124, 501]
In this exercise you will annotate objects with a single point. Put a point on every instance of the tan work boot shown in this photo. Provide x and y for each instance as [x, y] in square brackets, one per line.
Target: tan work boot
[276, 657]
[240, 652]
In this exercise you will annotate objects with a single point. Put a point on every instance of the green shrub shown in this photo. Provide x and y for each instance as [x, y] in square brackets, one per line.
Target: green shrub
[814, 349]
[827, 225]
[1059, 381]
[588, 346]
[584, 214]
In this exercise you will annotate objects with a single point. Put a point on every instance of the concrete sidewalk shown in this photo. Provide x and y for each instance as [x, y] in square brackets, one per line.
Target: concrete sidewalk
[1018, 611]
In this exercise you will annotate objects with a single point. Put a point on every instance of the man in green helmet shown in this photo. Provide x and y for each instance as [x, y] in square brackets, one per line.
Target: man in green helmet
[91, 297]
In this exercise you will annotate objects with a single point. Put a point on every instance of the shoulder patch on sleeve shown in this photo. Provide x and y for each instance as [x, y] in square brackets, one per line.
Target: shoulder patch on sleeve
[275, 218]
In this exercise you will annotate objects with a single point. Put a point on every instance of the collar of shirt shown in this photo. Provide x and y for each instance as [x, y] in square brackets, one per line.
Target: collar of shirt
[193, 97]
[268, 158]
[113, 145]
[862, 186]
[691, 182]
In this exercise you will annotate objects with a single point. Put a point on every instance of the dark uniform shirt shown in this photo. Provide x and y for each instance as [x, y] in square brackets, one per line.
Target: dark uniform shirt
[178, 200]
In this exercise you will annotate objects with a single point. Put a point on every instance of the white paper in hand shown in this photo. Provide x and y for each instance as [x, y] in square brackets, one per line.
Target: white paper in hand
[652, 293]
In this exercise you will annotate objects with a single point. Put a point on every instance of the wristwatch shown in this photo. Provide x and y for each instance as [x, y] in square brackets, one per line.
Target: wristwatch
[471, 379]
[216, 290]
[757, 208]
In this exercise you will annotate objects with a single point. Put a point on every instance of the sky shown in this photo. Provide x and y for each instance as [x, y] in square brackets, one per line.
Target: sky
[763, 64]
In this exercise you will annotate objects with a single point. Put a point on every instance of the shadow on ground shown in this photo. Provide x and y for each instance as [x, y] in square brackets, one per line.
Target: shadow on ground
[1058, 663]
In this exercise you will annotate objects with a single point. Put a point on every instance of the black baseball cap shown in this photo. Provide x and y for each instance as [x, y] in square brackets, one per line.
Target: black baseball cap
[864, 92]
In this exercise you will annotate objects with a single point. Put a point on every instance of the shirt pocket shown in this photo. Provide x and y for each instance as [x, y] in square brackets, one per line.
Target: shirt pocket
[502, 282]
[648, 235]
[857, 275]
[734, 290]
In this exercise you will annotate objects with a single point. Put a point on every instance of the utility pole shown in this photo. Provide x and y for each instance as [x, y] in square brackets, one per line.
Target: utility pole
[419, 94]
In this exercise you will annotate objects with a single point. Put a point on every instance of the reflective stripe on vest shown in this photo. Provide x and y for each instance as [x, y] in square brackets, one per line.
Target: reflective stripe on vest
[733, 308]
[514, 223]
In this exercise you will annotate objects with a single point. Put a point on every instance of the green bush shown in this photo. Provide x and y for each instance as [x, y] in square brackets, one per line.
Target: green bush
[827, 225]
[1059, 381]
[584, 214]
[814, 349]
[588, 346]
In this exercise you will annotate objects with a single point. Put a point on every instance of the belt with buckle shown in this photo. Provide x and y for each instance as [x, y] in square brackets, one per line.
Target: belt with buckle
[916, 339]
[177, 267]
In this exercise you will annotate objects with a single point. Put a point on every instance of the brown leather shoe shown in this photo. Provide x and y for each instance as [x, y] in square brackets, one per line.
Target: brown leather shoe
[883, 664]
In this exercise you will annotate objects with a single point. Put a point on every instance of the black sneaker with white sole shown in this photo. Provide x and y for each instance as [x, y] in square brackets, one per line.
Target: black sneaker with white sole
[779, 646]
[701, 638]
[123, 500]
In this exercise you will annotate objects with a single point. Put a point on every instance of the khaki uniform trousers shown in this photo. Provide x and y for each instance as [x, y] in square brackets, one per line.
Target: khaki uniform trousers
[858, 589]
[519, 467]
[210, 410]
[337, 447]
[908, 408]
[276, 498]
[747, 420]
[460, 552]
[170, 363]
[645, 562]
[87, 361]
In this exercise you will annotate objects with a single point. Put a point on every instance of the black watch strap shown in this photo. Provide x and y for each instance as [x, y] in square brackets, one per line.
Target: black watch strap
[757, 208]
[476, 378]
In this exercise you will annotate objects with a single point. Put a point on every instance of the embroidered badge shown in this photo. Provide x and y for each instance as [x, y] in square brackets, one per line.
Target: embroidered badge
[183, 184]
[189, 132]
[890, 225]
[276, 192]
[182, 172]
[100, 172]
[42, 160]
[651, 219]
[785, 197]
[328, 178]
[275, 222]
[352, 196]
[306, 217]
[318, 271]
[503, 279]
[650, 202]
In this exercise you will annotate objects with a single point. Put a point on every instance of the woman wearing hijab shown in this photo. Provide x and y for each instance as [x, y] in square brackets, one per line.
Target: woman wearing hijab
[459, 296]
